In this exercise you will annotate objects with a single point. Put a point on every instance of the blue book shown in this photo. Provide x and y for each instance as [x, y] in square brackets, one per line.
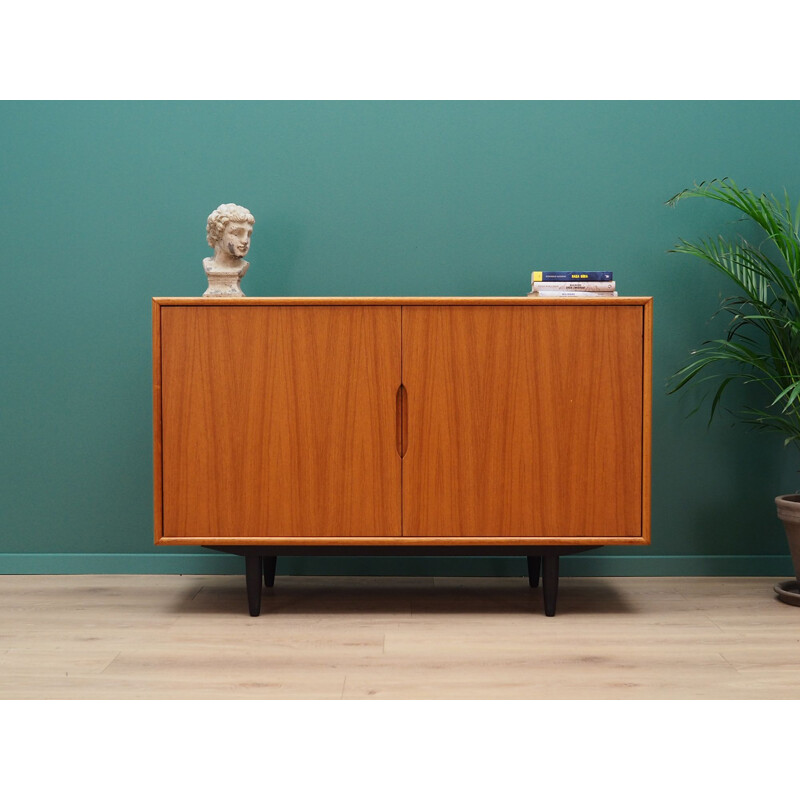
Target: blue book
[571, 276]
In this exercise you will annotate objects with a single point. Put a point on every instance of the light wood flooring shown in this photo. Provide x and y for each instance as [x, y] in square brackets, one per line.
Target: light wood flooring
[190, 637]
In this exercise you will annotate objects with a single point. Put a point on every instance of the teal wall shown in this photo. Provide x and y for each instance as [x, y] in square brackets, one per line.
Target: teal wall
[105, 205]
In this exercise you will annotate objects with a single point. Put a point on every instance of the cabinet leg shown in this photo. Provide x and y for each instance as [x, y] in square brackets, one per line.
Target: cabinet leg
[269, 570]
[252, 569]
[550, 584]
[534, 568]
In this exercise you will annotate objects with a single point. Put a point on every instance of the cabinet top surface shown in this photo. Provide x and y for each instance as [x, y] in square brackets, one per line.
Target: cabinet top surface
[397, 301]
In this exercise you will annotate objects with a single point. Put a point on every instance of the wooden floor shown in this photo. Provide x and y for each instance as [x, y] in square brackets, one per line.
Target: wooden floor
[190, 637]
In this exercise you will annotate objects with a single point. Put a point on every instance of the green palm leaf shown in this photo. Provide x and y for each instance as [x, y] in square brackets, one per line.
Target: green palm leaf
[761, 342]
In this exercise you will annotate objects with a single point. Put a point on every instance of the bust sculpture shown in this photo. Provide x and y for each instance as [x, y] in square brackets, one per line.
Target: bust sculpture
[228, 231]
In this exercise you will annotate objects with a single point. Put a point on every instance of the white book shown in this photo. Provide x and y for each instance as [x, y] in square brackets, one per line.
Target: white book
[574, 286]
[596, 295]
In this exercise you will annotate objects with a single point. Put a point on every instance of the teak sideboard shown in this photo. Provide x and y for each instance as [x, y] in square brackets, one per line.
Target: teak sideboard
[517, 426]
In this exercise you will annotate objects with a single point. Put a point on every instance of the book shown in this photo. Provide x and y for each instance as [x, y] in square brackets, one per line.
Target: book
[575, 286]
[591, 275]
[562, 293]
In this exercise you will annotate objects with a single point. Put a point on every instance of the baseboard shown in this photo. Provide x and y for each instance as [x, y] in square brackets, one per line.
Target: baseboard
[455, 566]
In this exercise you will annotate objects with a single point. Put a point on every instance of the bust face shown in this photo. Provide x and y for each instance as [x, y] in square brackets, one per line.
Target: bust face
[235, 241]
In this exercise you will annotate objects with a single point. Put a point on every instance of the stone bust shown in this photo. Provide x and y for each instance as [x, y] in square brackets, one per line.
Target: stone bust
[228, 231]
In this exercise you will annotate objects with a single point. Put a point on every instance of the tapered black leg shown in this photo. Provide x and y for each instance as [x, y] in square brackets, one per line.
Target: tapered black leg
[269, 570]
[550, 584]
[534, 568]
[252, 570]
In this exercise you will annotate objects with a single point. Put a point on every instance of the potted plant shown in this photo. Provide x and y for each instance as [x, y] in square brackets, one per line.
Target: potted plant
[761, 341]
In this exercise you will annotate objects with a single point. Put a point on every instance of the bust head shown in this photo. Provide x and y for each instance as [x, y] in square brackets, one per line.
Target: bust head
[228, 231]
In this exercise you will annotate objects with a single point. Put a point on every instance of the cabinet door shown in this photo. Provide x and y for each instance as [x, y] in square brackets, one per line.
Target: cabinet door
[523, 421]
[280, 421]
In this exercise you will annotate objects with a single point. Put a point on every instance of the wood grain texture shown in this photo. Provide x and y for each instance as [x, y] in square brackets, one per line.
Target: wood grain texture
[502, 445]
[399, 301]
[647, 418]
[280, 421]
[189, 637]
[158, 466]
[410, 541]
[523, 422]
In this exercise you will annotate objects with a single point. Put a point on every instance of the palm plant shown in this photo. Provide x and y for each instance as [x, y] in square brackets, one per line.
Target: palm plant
[761, 342]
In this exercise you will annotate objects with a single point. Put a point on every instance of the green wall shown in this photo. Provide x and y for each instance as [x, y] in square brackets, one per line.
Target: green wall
[105, 205]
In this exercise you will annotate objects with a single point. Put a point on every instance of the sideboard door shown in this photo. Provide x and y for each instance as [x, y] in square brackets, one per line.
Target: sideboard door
[280, 421]
[524, 421]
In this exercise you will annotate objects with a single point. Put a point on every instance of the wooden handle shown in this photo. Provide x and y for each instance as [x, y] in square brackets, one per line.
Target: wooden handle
[401, 401]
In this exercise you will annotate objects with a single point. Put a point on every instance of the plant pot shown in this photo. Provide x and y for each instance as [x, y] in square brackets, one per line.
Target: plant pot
[789, 513]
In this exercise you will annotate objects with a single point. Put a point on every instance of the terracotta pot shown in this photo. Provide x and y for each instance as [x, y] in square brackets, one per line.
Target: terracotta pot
[789, 513]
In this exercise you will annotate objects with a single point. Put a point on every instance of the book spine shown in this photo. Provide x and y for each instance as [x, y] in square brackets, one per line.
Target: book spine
[571, 276]
[575, 286]
[597, 295]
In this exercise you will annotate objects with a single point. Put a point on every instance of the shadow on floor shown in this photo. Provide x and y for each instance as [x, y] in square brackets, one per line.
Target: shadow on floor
[321, 596]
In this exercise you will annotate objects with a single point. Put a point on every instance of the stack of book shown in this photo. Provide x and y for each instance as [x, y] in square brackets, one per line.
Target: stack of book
[572, 284]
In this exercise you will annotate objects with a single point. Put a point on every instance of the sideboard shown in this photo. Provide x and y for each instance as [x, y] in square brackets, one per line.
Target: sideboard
[491, 425]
